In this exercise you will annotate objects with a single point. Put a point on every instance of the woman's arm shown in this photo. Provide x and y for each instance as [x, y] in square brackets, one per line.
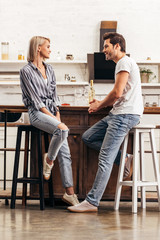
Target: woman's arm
[30, 94]
[45, 110]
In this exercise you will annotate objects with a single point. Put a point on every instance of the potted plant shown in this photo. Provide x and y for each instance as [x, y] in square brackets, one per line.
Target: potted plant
[145, 75]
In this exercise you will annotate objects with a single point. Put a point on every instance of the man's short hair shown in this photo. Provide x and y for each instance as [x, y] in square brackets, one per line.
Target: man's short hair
[116, 38]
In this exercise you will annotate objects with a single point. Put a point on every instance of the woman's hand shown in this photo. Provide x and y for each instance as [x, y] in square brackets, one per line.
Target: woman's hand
[45, 110]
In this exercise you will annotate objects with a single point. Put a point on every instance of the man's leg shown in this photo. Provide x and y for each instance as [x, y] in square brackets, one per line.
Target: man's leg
[94, 136]
[113, 139]
[118, 127]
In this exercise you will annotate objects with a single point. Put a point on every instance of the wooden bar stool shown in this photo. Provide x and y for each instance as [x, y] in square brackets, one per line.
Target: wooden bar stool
[30, 132]
[138, 146]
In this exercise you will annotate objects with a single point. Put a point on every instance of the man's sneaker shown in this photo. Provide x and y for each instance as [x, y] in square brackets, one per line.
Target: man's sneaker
[83, 207]
[47, 168]
[128, 169]
[70, 199]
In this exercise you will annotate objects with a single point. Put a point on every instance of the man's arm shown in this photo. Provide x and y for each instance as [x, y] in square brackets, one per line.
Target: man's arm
[112, 97]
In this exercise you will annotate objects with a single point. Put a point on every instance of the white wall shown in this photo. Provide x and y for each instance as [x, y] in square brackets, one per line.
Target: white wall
[73, 25]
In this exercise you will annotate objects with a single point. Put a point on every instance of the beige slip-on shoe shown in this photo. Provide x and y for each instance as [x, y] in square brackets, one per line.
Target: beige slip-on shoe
[70, 199]
[47, 168]
[83, 207]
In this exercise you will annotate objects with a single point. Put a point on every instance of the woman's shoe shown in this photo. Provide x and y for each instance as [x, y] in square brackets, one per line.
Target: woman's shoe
[47, 168]
[70, 199]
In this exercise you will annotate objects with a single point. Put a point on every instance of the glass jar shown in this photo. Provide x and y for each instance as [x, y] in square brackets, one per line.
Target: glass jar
[20, 55]
[73, 79]
[5, 50]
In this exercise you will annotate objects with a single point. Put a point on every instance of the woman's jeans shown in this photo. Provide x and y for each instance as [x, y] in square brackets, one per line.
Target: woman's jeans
[107, 136]
[58, 146]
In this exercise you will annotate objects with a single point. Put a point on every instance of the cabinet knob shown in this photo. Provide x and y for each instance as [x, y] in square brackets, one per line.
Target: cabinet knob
[74, 136]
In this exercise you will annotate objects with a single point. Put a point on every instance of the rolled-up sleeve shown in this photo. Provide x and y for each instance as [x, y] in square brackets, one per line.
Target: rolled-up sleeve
[55, 96]
[29, 93]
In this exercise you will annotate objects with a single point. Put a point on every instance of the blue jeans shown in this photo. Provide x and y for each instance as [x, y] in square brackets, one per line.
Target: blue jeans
[58, 146]
[107, 136]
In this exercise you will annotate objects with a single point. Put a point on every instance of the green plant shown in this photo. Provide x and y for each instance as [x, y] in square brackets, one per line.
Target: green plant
[147, 73]
[145, 70]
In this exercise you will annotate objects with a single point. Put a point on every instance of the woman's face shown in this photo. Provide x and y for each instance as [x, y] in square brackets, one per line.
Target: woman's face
[44, 49]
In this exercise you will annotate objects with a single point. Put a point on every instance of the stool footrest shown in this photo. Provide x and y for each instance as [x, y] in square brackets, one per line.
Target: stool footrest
[139, 183]
[28, 180]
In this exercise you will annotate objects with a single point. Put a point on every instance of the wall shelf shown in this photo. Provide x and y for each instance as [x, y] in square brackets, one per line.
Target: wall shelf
[17, 82]
[72, 83]
[150, 85]
[148, 62]
[15, 66]
[47, 61]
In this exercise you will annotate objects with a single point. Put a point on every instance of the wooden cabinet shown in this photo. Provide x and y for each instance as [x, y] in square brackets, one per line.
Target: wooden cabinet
[84, 159]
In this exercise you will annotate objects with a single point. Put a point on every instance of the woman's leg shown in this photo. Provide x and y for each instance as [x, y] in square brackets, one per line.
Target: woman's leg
[65, 165]
[51, 125]
[59, 133]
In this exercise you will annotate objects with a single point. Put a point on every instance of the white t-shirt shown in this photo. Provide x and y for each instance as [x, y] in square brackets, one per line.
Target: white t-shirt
[131, 101]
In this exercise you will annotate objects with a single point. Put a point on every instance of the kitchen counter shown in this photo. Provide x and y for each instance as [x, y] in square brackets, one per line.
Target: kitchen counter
[147, 110]
[85, 160]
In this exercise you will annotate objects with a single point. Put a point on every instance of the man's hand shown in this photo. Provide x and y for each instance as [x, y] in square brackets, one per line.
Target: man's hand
[94, 106]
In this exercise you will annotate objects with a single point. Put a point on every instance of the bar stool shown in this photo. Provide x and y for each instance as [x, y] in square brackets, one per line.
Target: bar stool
[30, 133]
[138, 146]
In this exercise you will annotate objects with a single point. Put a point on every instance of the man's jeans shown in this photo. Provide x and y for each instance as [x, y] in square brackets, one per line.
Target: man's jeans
[107, 136]
[58, 146]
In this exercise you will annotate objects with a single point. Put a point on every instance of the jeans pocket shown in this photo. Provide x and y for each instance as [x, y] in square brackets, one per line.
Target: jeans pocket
[134, 120]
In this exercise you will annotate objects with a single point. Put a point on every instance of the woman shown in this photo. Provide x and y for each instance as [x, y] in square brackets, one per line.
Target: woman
[39, 95]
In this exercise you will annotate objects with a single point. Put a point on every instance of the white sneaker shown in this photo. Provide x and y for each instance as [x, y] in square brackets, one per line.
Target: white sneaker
[70, 199]
[47, 168]
[83, 207]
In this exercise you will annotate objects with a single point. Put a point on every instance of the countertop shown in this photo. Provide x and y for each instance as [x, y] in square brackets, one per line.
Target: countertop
[17, 108]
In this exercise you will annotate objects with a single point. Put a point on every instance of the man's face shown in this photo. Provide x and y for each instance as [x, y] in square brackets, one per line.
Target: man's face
[109, 50]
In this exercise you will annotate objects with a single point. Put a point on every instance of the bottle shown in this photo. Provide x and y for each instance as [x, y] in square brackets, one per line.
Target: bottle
[91, 93]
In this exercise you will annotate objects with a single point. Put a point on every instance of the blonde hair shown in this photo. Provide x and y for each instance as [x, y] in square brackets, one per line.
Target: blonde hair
[34, 43]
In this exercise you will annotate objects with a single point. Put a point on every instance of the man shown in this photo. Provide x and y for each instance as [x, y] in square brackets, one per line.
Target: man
[108, 134]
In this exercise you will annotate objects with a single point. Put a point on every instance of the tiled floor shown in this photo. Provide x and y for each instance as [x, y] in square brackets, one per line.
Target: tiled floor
[57, 223]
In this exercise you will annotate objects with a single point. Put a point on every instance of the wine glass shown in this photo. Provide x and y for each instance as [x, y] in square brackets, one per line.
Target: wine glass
[86, 97]
[77, 96]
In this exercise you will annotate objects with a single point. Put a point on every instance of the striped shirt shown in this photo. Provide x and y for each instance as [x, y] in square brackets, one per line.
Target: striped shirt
[36, 93]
